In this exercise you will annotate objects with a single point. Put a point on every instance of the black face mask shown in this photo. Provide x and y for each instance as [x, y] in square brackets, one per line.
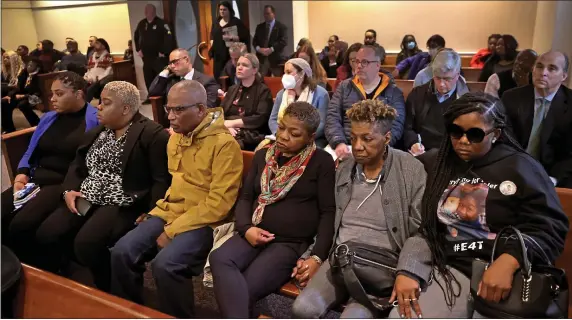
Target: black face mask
[474, 135]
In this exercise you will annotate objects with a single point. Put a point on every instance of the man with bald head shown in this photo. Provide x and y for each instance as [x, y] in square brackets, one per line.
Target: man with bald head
[180, 227]
[180, 68]
[540, 116]
[153, 41]
[520, 75]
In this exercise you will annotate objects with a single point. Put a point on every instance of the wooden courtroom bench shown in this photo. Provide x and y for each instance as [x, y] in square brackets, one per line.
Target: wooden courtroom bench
[46, 295]
[407, 85]
[565, 260]
[391, 58]
[46, 81]
[159, 115]
[124, 71]
[470, 74]
[14, 145]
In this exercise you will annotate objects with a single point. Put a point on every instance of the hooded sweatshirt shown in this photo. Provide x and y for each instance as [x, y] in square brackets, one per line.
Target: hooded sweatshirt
[199, 195]
[505, 187]
[351, 91]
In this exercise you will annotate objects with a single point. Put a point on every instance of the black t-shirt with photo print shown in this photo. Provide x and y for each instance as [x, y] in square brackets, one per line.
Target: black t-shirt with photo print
[505, 187]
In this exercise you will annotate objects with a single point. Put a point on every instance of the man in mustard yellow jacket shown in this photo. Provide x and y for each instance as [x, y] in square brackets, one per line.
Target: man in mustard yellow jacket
[205, 162]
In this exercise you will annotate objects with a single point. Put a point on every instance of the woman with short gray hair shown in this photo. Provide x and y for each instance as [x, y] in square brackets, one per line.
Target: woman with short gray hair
[247, 105]
[120, 171]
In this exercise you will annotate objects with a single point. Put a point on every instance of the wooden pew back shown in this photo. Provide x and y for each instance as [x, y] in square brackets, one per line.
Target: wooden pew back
[14, 145]
[274, 84]
[407, 85]
[159, 115]
[247, 157]
[391, 59]
[470, 74]
[124, 71]
[565, 260]
[46, 295]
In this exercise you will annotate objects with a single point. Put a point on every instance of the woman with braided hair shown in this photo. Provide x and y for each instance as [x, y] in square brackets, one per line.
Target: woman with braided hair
[479, 181]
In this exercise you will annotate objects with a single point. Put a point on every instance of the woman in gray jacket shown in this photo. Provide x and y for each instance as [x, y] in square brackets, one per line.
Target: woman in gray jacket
[378, 199]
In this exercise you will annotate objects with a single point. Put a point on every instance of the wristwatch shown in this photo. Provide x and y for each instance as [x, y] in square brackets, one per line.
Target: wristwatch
[317, 259]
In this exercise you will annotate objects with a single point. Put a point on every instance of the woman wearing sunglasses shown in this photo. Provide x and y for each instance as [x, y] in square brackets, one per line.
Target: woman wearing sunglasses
[479, 181]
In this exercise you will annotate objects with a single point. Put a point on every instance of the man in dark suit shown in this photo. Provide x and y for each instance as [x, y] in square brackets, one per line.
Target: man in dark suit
[270, 39]
[540, 116]
[179, 68]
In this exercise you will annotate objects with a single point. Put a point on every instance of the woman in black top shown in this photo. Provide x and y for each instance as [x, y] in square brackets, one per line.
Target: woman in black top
[47, 159]
[286, 201]
[502, 59]
[479, 181]
[247, 105]
[226, 30]
[25, 97]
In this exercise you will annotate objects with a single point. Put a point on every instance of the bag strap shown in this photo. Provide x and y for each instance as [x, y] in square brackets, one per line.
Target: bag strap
[354, 287]
[527, 267]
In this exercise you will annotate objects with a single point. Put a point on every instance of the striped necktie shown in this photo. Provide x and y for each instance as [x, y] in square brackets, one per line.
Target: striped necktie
[534, 141]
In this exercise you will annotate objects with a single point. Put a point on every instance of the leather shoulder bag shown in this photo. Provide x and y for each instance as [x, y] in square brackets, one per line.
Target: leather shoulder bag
[367, 272]
[538, 291]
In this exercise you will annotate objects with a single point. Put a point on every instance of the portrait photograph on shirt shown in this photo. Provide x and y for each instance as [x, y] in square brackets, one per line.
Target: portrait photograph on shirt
[462, 209]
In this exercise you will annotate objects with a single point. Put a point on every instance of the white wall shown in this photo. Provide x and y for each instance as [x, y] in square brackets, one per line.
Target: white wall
[56, 20]
[18, 26]
[27, 22]
[563, 32]
[465, 25]
[301, 23]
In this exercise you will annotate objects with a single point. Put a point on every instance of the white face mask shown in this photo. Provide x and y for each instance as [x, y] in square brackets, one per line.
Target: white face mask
[288, 81]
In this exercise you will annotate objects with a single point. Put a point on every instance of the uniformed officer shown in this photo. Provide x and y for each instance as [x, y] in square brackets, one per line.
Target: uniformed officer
[153, 42]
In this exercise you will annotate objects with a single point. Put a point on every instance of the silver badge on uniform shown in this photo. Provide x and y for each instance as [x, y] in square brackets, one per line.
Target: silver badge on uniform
[167, 28]
[508, 188]
[155, 27]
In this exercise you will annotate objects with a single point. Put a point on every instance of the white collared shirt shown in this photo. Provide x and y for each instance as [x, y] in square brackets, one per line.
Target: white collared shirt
[189, 76]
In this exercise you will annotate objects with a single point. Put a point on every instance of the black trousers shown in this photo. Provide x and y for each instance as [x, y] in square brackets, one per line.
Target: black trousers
[152, 66]
[19, 228]
[243, 274]
[88, 238]
[24, 106]
[218, 66]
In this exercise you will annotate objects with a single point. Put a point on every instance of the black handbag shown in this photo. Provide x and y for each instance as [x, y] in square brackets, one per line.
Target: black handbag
[365, 270]
[538, 291]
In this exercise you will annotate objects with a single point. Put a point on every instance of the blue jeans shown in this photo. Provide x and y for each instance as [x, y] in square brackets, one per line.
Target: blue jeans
[172, 267]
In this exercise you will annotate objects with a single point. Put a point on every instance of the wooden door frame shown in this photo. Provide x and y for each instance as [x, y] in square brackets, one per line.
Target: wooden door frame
[205, 23]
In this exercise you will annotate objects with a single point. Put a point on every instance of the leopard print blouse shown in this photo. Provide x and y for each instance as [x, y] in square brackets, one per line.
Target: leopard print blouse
[103, 186]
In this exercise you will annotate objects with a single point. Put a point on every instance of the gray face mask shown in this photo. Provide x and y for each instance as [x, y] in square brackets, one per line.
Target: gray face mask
[411, 45]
